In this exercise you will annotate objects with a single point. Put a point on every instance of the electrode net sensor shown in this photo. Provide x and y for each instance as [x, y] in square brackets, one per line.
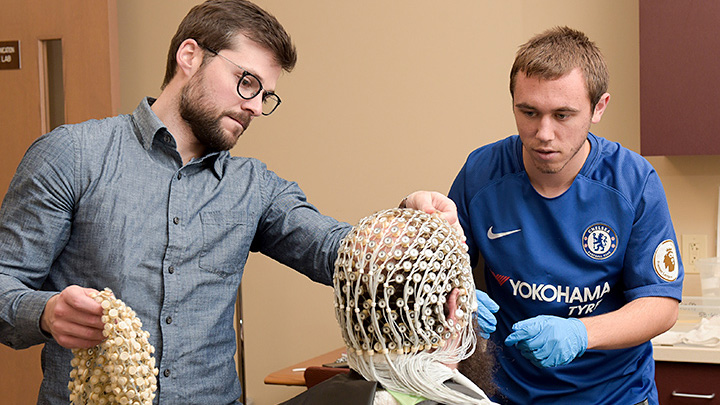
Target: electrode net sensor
[120, 370]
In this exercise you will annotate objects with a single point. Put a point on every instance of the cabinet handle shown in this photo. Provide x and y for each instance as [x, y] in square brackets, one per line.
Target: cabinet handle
[699, 396]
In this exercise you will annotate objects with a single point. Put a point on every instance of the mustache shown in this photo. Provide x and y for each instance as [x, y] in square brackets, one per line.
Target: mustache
[243, 118]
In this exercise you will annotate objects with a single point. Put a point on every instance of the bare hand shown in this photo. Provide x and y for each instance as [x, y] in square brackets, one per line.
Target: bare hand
[432, 201]
[73, 318]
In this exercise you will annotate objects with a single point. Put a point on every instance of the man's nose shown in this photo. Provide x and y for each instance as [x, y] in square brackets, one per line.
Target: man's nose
[545, 130]
[254, 105]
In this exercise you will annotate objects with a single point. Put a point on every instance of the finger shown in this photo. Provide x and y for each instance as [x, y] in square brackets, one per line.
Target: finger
[547, 361]
[85, 333]
[71, 342]
[542, 348]
[421, 201]
[533, 356]
[485, 330]
[516, 337]
[67, 315]
[446, 206]
[79, 298]
[538, 363]
[523, 330]
[531, 326]
[72, 335]
[528, 354]
[424, 201]
[486, 320]
[485, 314]
[92, 321]
[75, 306]
[487, 302]
[486, 327]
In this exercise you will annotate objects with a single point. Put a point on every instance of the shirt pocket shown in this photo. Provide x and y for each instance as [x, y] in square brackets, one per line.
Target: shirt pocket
[226, 237]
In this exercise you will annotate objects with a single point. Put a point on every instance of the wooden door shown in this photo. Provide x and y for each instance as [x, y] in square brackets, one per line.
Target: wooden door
[67, 73]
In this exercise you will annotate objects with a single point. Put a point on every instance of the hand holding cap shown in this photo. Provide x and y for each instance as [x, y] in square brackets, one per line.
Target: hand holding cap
[486, 308]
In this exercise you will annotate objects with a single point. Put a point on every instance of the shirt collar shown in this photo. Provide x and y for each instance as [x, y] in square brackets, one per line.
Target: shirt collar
[215, 161]
[149, 127]
[147, 123]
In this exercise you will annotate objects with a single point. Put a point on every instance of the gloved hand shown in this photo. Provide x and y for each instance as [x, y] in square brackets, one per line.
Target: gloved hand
[549, 341]
[486, 308]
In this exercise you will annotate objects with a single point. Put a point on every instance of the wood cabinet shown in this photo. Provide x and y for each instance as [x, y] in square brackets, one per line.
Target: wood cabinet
[679, 77]
[687, 383]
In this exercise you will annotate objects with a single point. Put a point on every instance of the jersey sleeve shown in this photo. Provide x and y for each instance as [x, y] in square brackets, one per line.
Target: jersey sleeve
[652, 264]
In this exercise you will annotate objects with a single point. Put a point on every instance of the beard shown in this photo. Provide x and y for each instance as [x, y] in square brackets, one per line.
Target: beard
[549, 169]
[197, 110]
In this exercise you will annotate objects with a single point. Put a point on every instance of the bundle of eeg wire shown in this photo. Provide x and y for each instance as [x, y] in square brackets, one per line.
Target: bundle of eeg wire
[120, 370]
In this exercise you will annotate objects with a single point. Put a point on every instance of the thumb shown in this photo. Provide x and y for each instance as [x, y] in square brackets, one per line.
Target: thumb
[488, 302]
[523, 330]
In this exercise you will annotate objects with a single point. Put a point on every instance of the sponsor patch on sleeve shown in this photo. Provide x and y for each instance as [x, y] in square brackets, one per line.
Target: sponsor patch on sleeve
[665, 261]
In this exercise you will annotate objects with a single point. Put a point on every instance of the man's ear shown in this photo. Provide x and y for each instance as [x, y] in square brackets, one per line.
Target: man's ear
[189, 57]
[600, 108]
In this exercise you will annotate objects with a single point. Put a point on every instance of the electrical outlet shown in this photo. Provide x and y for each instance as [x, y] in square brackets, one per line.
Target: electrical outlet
[693, 247]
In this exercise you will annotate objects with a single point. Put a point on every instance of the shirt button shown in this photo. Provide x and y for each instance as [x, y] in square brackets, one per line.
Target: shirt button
[166, 373]
[171, 269]
[168, 320]
[176, 220]
[179, 176]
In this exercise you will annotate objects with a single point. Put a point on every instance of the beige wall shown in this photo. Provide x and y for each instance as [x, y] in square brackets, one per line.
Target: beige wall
[389, 97]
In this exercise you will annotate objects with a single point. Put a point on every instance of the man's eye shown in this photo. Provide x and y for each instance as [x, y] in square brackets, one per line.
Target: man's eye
[246, 82]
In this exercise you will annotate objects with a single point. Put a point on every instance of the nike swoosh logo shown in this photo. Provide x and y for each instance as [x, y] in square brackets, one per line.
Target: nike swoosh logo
[492, 235]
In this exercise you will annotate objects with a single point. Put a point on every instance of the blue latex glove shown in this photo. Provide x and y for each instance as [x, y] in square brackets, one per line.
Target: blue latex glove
[486, 308]
[549, 341]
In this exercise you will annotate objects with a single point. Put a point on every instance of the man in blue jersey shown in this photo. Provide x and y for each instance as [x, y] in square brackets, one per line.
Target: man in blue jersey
[573, 235]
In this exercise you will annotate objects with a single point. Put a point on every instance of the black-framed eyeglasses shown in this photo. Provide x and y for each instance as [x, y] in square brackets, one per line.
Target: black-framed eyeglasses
[249, 86]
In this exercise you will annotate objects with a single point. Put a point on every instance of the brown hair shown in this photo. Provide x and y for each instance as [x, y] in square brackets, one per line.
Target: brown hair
[557, 52]
[481, 366]
[215, 23]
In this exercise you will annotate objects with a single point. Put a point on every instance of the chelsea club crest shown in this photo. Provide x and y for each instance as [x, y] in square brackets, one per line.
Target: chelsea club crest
[599, 241]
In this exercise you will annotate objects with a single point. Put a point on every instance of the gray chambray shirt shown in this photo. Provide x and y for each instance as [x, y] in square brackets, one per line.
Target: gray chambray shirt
[109, 203]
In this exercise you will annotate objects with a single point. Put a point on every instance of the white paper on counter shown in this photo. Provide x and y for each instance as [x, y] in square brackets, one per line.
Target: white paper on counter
[706, 334]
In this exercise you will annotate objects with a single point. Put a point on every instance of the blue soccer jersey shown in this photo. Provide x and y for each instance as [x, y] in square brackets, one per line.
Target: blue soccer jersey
[604, 242]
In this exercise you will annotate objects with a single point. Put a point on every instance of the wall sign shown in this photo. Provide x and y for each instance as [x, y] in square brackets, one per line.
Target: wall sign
[9, 55]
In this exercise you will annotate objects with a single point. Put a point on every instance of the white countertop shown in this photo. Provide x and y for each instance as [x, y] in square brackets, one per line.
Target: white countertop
[687, 354]
[682, 352]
